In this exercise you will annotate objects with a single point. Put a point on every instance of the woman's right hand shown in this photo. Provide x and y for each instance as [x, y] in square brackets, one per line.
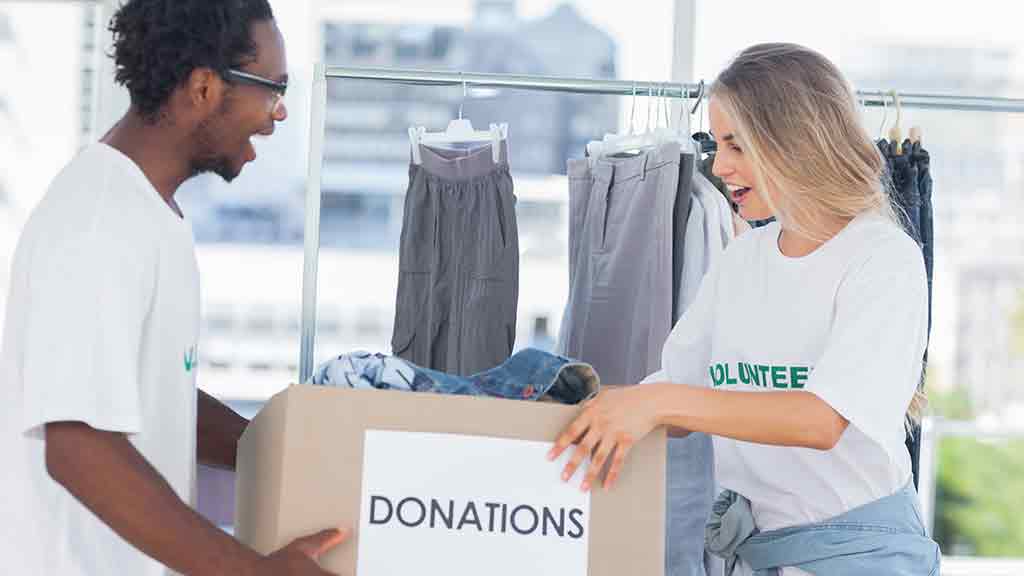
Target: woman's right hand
[608, 427]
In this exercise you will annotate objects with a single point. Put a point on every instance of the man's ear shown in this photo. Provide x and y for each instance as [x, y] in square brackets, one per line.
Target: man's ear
[205, 90]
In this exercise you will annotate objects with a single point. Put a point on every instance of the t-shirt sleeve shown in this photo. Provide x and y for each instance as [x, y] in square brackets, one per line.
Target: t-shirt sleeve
[687, 350]
[871, 365]
[89, 300]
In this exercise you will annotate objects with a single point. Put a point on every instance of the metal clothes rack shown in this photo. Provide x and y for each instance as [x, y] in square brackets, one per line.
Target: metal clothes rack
[692, 91]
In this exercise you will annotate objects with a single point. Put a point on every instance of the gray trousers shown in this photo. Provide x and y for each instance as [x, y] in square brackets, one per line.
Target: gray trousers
[458, 282]
[619, 310]
[627, 220]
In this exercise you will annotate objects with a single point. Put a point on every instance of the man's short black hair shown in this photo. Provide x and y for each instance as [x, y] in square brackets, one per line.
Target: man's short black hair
[158, 43]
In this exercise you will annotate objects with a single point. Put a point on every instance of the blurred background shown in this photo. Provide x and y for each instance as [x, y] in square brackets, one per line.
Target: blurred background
[57, 94]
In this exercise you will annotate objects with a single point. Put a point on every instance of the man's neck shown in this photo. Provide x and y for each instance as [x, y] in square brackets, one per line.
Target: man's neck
[156, 149]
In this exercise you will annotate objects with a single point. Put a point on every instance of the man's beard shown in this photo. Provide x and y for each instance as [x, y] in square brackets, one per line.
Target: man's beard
[219, 165]
[207, 160]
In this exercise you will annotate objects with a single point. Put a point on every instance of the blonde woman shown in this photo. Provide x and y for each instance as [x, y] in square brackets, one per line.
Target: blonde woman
[803, 350]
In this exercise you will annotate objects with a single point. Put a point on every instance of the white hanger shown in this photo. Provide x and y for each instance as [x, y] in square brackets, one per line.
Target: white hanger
[670, 133]
[885, 116]
[631, 142]
[460, 130]
[896, 132]
[595, 148]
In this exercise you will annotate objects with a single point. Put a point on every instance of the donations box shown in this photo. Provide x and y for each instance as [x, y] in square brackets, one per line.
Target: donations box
[447, 485]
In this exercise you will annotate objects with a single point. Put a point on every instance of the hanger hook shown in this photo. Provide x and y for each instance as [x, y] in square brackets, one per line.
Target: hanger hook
[667, 105]
[650, 100]
[464, 92]
[885, 114]
[899, 107]
[684, 106]
[700, 97]
[632, 110]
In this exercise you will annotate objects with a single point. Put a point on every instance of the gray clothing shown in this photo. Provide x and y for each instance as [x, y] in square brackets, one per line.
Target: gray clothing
[656, 213]
[626, 244]
[458, 283]
[581, 184]
[690, 489]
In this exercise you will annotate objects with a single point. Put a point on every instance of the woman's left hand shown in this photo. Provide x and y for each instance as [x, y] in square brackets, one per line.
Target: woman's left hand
[608, 427]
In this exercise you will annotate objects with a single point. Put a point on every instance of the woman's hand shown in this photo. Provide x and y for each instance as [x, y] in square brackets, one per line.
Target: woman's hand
[607, 428]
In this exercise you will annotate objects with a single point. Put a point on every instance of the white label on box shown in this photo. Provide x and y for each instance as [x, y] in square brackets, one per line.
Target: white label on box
[468, 505]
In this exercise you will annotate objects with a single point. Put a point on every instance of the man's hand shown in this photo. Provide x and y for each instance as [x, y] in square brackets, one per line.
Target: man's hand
[300, 557]
[108, 475]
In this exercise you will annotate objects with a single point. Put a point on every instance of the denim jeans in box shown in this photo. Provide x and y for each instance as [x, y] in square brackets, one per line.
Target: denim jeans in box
[530, 374]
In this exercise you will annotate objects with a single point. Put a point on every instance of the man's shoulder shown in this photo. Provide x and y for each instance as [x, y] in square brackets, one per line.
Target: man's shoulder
[91, 204]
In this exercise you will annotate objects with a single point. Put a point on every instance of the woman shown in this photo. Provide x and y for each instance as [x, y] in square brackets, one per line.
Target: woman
[803, 350]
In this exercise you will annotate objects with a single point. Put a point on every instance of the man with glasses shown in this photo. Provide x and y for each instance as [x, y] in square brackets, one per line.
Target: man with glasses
[100, 419]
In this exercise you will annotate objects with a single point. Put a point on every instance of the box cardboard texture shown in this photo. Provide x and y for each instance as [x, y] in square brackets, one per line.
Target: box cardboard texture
[300, 469]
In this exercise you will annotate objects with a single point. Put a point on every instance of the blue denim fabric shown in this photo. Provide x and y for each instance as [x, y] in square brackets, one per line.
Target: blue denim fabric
[884, 537]
[530, 374]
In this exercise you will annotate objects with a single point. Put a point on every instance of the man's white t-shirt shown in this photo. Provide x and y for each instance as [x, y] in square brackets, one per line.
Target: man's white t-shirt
[848, 323]
[101, 327]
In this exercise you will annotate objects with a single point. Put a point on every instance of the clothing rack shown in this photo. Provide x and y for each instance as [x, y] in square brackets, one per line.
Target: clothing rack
[677, 90]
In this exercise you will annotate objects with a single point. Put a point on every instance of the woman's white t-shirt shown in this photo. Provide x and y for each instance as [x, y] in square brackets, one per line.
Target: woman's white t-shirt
[848, 323]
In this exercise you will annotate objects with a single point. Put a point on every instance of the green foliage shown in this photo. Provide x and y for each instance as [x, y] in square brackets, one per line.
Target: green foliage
[980, 497]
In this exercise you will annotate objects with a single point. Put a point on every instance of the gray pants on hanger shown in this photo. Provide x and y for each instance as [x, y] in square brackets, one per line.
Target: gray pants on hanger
[689, 478]
[619, 310]
[458, 283]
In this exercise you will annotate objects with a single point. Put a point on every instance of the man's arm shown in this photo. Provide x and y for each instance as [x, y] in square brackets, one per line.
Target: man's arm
[105, 472]
[109, 476]
[218, 431]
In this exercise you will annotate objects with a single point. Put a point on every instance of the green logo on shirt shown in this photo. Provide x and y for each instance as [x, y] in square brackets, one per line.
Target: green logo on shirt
[190, 358]
[764, 376]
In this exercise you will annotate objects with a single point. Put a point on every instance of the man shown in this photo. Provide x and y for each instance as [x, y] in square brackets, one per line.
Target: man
[100, 423]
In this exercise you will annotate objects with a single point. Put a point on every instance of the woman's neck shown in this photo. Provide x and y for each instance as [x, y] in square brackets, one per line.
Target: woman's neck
[795, 245]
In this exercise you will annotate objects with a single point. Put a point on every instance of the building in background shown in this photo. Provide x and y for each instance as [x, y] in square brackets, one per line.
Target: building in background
[366, 156]
[988, 365]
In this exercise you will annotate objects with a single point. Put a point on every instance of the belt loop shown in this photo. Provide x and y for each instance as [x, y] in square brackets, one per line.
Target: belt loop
[643, 169]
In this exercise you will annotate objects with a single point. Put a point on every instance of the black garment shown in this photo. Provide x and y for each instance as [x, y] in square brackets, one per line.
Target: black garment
[903, 175]
[922, 160]
[909, 173]
[680, 216]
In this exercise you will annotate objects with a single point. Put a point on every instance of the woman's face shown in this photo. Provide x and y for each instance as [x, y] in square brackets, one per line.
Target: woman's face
[733, 167]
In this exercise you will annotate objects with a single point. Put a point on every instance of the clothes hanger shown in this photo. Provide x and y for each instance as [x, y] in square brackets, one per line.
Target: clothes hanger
[895, 133]
[676, 133]
[632, 143]
[885, 116]
[704, 142]
[459, 131]
[595, 148]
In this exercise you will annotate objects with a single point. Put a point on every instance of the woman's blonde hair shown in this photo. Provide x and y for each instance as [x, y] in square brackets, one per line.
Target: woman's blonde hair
[796, 119]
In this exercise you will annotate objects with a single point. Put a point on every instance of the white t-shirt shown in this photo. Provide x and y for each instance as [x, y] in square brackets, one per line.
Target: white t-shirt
[101, 327]
[847, 323]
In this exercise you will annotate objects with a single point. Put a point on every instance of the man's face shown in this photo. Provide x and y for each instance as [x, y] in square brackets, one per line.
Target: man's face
[224, 139]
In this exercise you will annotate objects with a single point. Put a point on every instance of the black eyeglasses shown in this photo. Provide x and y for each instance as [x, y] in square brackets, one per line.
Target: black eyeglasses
[277, 88]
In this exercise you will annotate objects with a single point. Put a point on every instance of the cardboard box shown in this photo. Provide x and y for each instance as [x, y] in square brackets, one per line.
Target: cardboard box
[301, 469]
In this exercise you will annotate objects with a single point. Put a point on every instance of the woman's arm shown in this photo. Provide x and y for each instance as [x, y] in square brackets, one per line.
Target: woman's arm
[613, 421]
[791, 418]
